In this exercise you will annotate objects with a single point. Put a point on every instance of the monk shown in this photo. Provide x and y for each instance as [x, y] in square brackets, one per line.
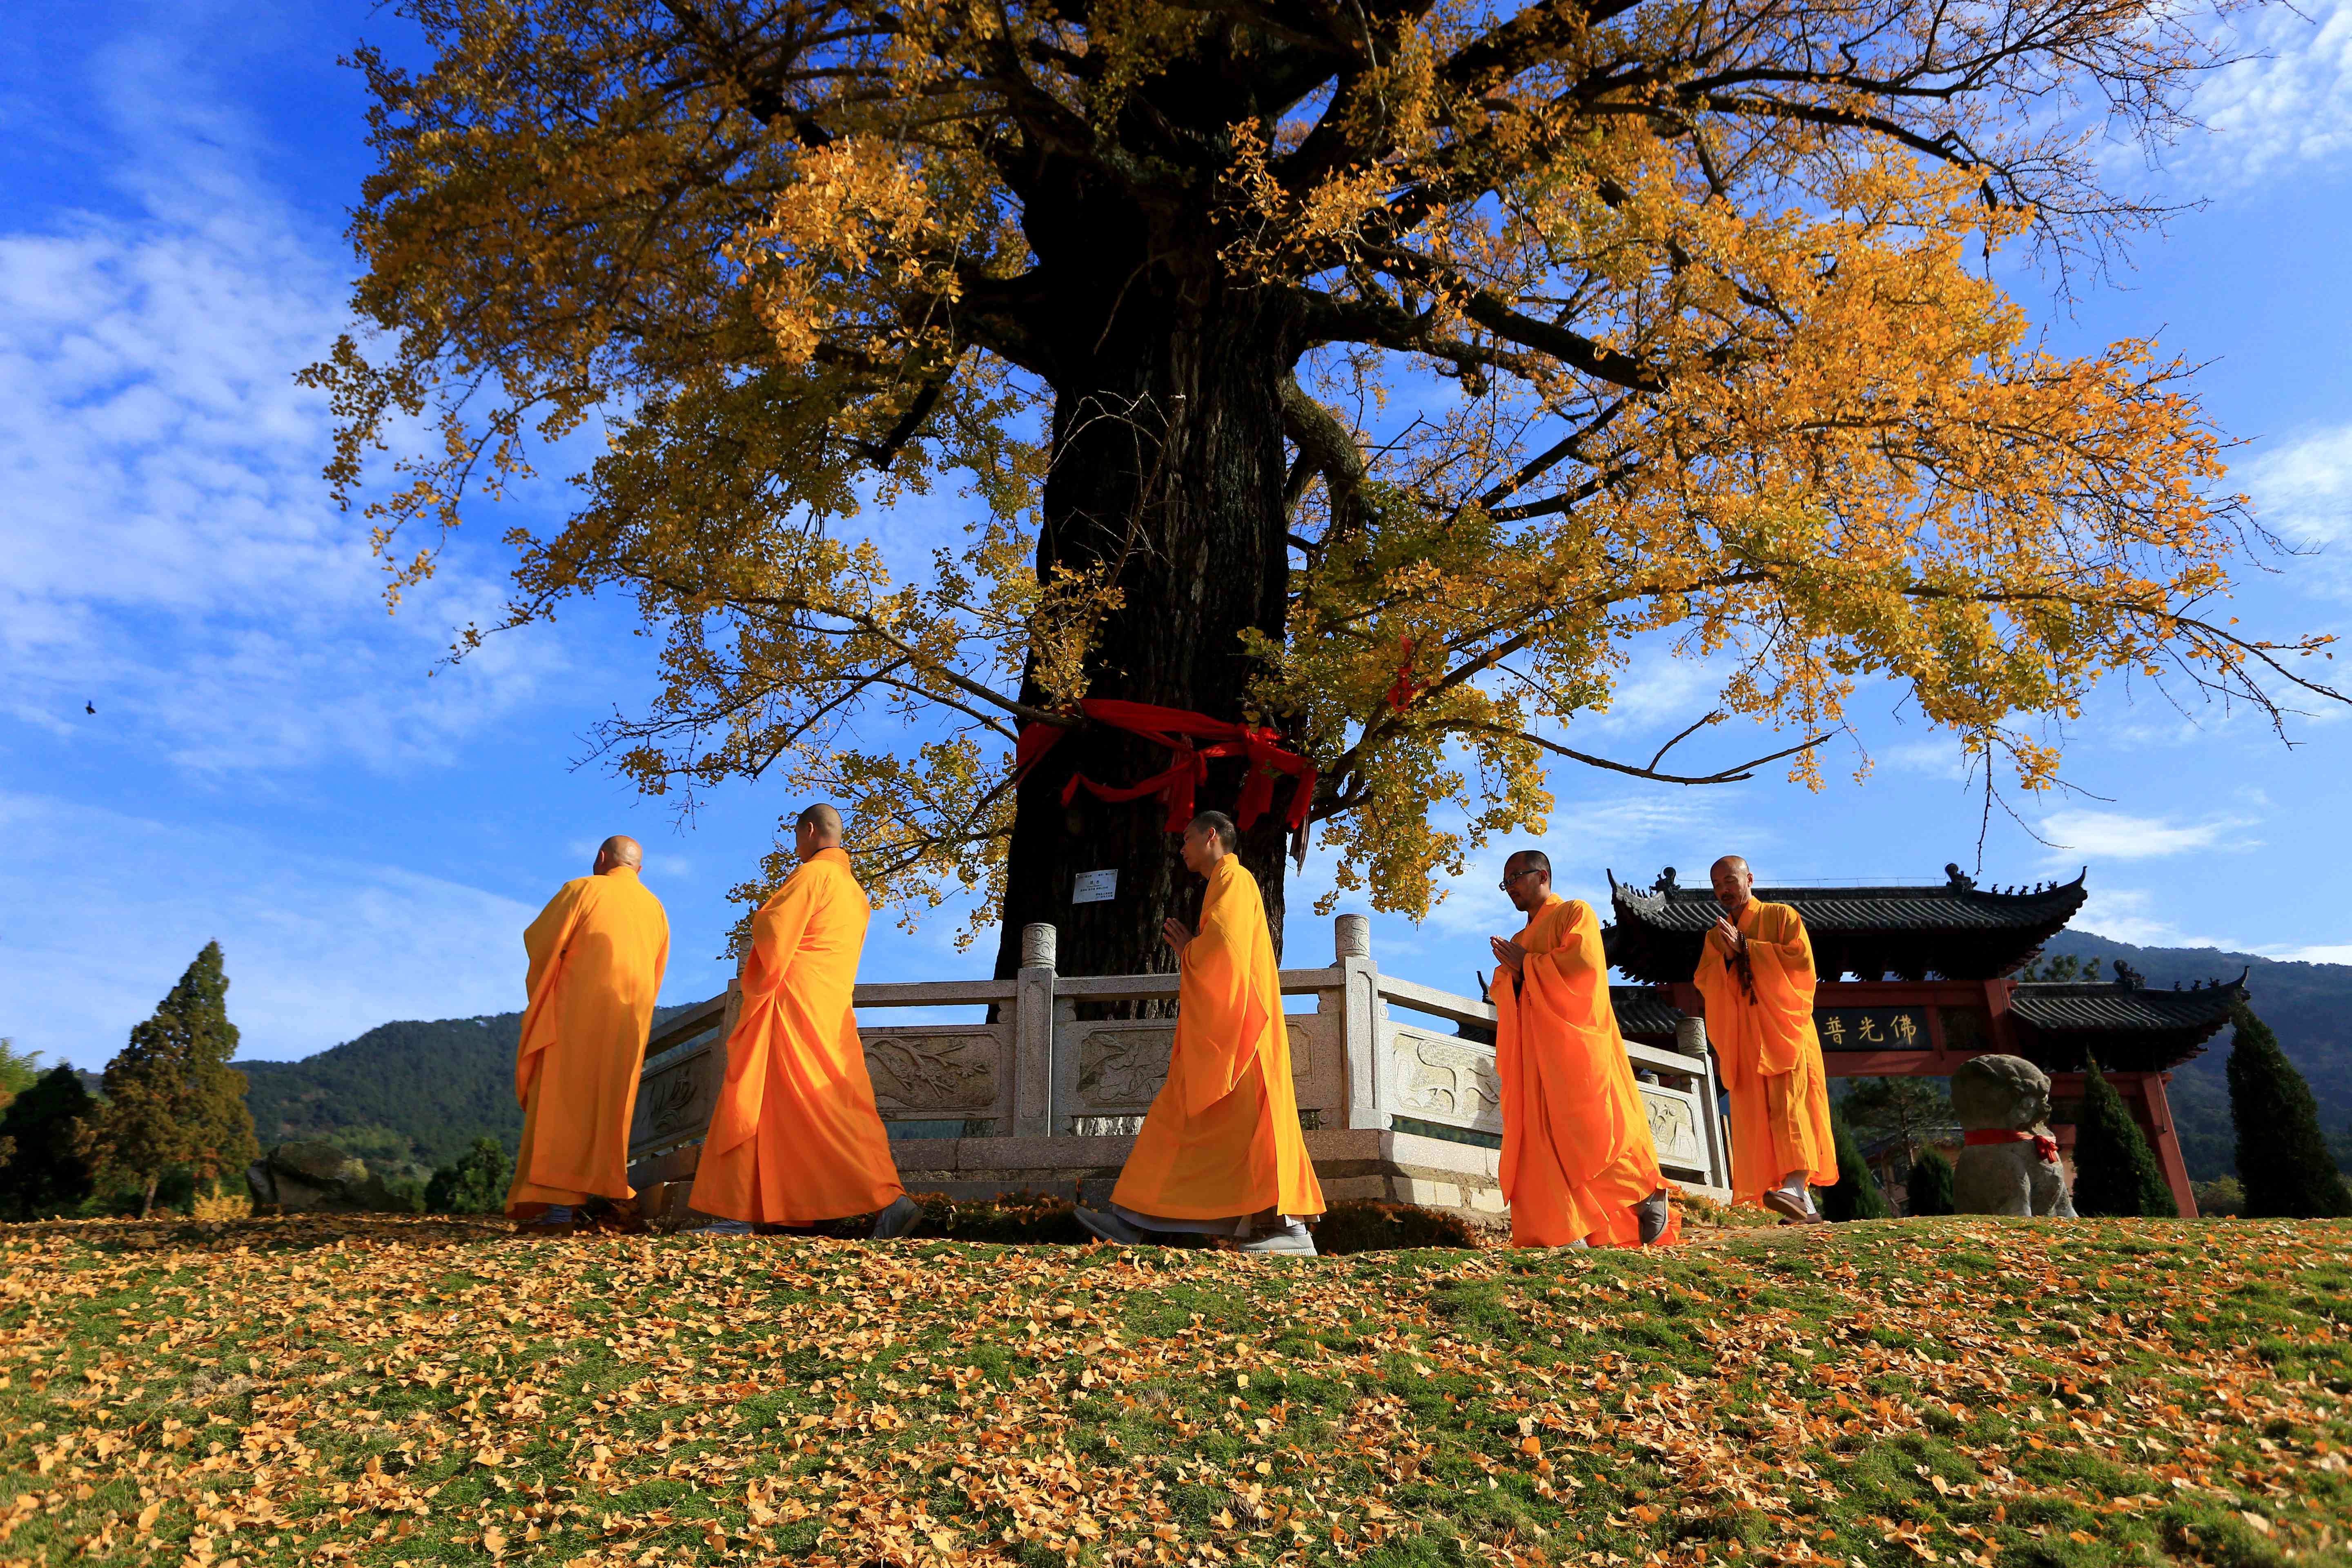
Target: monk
[1220, 1153]
[795, 1137]
[1755, 973]
[1579, 1167]
[597, 953]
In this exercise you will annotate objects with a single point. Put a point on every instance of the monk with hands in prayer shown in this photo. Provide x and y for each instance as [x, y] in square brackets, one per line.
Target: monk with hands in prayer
[1756, 972]
[1579, 1167]
[1220, 1153]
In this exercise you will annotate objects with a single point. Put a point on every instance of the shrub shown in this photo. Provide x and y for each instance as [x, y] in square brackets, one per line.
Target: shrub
[2223, 1195]
[476, 1183]
[2115, 1173]
[1929, 1190]
[1857, 1194]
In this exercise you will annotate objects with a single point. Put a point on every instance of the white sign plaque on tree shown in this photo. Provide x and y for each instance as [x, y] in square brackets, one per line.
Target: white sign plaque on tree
[1094, 887]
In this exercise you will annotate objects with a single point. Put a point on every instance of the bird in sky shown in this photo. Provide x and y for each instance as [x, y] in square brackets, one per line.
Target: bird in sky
[90, 707]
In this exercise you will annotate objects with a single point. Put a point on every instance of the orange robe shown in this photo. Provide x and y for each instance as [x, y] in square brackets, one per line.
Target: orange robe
[795, 1137]
[1221, 1140]
[1577, 1149]
[1772, 1055]
[597, 953]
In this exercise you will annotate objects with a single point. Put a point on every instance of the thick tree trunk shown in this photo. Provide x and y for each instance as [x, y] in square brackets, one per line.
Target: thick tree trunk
[147, 1199]
[1168, 460]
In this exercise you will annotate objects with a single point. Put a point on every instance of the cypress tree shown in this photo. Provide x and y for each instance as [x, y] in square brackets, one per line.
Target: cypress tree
[172, 1099]
[1929, 1190]
[46, 1170]
[2115, 1173]
[1857, 1194]
[2282, 1157]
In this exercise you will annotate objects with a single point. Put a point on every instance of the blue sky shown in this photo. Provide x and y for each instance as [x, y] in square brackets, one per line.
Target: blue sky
[277, 764]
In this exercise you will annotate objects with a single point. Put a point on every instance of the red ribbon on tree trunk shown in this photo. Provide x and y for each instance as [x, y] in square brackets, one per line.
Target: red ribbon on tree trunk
[2045, 1147]
[1177, 730]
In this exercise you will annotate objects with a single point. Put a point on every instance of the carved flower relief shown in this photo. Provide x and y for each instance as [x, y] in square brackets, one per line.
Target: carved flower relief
[1671, 1128]
[1450, 1080]
[932, 1072]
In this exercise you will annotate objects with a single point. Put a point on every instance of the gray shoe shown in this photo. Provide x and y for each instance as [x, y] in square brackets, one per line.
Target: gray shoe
[1296, 1243]
[722, 1227]
[1654, 1211]
[903, 1214]
[1104, 1227]
[1791, 1208]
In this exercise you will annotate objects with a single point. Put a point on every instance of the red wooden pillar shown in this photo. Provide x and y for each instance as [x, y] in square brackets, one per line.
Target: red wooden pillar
[2152, 1110]
[2000, 1029]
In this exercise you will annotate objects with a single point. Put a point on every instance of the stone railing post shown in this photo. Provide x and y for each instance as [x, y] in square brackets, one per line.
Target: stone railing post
[1690, 1040]
[1033, 1032]
[1368, 1075]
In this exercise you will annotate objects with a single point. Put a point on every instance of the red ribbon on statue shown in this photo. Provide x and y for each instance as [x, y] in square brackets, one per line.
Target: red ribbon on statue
[1176, 728]
[2045, 1147]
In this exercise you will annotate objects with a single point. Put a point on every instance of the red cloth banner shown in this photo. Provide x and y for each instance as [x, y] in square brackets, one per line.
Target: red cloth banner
[1405, 687]
[1177, 730]
[2045, 1148]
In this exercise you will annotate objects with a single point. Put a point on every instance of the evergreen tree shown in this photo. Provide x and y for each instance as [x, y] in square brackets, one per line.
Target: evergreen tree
[2282, 1156]
[1929, 1190]
[46, 1170]
[18, 1070]
[2115, 1173]
[476, 1183]
[171, 1097]
[1857, 1194]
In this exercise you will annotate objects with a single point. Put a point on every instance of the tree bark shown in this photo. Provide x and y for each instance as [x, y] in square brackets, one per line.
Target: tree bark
[1169, 462]
[147, 1200]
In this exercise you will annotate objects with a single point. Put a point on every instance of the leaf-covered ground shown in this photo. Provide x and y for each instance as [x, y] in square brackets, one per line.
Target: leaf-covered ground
[413, 1392]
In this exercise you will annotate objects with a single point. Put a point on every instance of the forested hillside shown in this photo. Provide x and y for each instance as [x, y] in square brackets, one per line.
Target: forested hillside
[2310, 1006]
[404, 1095]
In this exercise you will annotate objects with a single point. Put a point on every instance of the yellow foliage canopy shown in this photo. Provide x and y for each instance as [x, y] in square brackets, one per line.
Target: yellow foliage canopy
[1594, 329]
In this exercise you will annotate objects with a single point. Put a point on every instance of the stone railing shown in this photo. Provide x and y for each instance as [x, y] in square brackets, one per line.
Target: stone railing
[1041, 1098]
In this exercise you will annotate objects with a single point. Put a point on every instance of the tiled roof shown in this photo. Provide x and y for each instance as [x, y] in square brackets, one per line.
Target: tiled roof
[2127, 1028]
[1957, 930]
[1644, 1014]
[2078, 1006]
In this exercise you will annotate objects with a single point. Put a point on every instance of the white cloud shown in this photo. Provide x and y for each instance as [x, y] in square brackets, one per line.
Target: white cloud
[319, 948]
[2135, 916]
[2339, 952]
[2303, 490]
[2288, 103]
[171, 552]
[2086, 835]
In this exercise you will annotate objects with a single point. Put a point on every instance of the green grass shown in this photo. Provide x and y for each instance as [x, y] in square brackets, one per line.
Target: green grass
[394, 1392]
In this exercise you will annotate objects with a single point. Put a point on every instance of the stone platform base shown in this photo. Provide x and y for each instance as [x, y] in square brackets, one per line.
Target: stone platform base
[1393, 1167]
[1387, 1167]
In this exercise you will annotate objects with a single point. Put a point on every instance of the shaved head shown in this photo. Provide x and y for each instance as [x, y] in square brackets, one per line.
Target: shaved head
[1729, 863]
[1732, 880]
[1526, 880]
[618, 851]
[817, 829]
[1218, 823]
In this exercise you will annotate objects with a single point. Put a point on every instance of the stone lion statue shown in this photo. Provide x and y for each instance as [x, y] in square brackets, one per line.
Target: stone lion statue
[2010, 1165]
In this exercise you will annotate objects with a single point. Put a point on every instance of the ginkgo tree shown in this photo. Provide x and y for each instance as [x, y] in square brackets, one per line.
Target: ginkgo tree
[1365, 381]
